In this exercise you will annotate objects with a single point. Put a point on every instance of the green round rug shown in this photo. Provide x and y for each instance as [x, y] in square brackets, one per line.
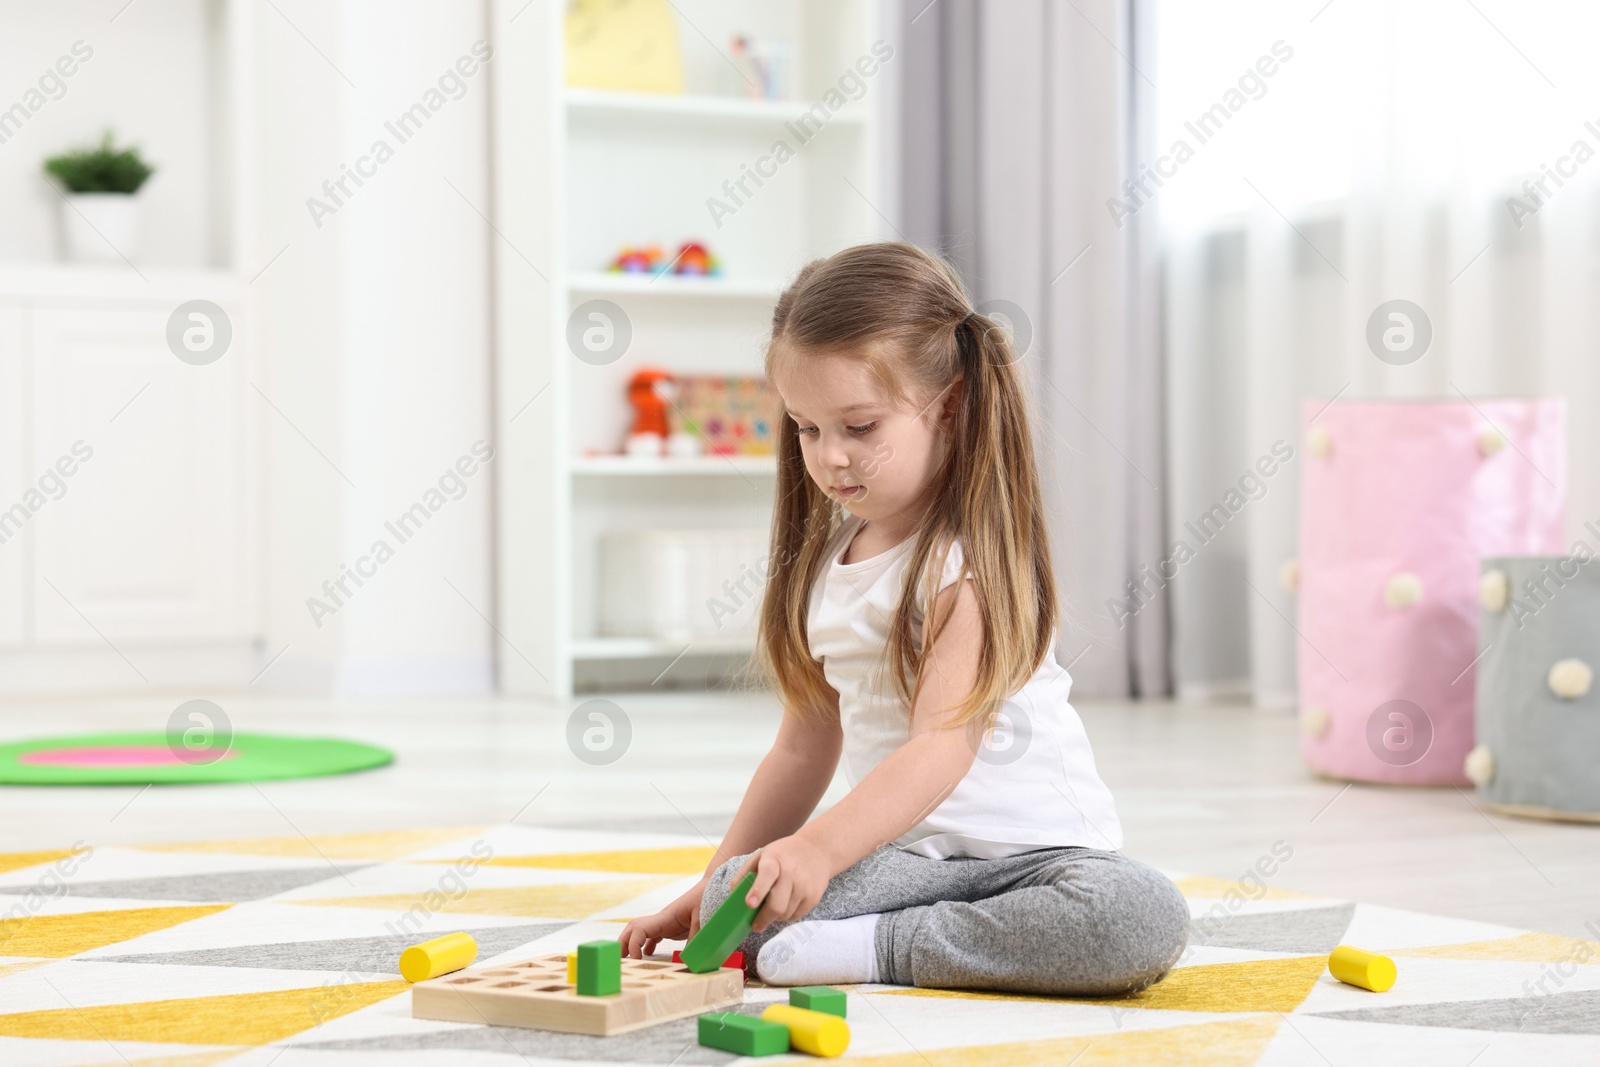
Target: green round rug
[152, 757]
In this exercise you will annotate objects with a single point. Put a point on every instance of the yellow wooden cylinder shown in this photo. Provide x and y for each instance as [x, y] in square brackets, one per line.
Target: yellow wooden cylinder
[572, 968]
[439, 956]
[1365, 969]
[815, 1032]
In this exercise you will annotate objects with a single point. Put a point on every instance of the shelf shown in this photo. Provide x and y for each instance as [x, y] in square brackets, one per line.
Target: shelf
[672, 285]
[654, 648]
[647, 467]
[653, 106]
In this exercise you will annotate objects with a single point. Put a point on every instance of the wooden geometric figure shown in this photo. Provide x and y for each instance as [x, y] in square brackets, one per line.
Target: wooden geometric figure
[743, 1034]
[819, 998]
[599, 968]
[441, 955]
[735, 958]
[722, 933]
[536, 994]
[1357, 967]
[815, 1032]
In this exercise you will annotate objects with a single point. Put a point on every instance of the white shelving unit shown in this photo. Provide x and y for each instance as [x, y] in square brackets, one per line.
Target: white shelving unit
[579, 174]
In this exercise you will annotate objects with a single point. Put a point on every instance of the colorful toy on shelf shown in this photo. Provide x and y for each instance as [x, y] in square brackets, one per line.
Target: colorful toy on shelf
[1398, 503]
[439, 956]
[1365, 969]
[815, 1032]
[732, 415]
[742, 1034]
[628, 46]
[651, 392]
[638, 259]
[1538, 750]
[721, 934]
[694, 258]
[763, 66]
[534, 994]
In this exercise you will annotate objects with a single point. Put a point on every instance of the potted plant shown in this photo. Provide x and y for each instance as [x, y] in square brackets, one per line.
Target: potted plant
[99, 215]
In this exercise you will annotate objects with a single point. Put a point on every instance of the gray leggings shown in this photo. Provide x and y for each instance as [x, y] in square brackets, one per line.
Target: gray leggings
[1073, 921]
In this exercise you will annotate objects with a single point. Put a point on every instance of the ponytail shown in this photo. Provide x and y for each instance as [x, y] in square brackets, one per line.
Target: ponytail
[989, 500]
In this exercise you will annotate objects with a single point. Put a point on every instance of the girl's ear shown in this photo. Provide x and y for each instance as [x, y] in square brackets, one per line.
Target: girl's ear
[952, 399]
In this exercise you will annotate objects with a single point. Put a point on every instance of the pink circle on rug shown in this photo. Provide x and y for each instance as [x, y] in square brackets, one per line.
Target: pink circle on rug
[114, 756]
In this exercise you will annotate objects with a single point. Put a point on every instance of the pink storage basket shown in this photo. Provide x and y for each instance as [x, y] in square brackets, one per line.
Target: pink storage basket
[1398, 502]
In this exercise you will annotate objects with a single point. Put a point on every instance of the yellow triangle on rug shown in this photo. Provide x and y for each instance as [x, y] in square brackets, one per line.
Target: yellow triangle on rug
[560, 900]
[233, 1019]
[1252, 985]
[689, 860]
[1230, 1043]
[16, 861]
[13, 968]
[1208, 887]
[382, 845]
[60, 936]
[1523, 948]
[197, 1059]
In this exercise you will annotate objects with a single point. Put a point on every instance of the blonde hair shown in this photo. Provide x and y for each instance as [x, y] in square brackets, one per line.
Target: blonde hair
[903, 312]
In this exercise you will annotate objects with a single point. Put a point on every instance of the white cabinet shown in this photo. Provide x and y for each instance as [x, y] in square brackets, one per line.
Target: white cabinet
[146, 541]
[127, 484]
[13, 558]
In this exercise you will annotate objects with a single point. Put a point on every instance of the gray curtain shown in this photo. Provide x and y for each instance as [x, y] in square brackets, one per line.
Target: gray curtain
[1020, 120]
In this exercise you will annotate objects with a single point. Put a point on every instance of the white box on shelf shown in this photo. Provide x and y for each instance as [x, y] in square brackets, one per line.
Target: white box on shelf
[682, 585]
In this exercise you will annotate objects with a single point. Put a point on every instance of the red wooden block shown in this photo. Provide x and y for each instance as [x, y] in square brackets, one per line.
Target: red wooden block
[735, 960]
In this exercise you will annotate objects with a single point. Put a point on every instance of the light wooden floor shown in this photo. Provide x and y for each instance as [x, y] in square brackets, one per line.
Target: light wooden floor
[1200, 788]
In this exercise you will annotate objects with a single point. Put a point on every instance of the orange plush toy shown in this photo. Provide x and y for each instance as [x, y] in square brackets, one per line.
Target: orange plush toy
[649, 390]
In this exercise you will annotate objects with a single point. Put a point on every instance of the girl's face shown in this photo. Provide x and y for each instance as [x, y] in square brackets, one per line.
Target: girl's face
[875, 455]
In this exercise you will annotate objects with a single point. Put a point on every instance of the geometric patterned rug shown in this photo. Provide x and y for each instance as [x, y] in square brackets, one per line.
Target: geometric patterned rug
[283, 951]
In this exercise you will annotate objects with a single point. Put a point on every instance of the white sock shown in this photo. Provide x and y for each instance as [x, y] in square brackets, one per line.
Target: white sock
[822, 952]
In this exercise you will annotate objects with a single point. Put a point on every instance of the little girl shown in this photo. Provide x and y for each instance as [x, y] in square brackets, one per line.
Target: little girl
[909, 626]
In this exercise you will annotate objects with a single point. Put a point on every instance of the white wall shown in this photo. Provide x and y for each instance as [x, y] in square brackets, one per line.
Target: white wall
[368, 333]
[145, 77]
[377, 337]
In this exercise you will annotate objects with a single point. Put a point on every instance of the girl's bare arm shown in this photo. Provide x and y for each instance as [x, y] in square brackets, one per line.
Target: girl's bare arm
[913, 779]
[787, 785]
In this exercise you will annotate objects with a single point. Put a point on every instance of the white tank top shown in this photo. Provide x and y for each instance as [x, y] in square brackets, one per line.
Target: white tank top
[1034, 783]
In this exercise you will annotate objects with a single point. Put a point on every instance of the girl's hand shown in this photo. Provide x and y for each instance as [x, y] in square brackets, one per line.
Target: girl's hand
[678, 921]
[791, 873]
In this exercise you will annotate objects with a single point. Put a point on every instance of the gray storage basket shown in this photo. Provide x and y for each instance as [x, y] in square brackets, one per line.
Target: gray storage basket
[1538, 707]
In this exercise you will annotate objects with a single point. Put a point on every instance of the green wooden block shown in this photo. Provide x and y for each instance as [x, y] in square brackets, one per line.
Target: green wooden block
[743, 1034]
[723, 932]
[818, 998]
[599, 968]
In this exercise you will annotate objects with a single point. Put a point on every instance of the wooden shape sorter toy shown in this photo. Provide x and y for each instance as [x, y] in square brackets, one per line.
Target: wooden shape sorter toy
[536, 994]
